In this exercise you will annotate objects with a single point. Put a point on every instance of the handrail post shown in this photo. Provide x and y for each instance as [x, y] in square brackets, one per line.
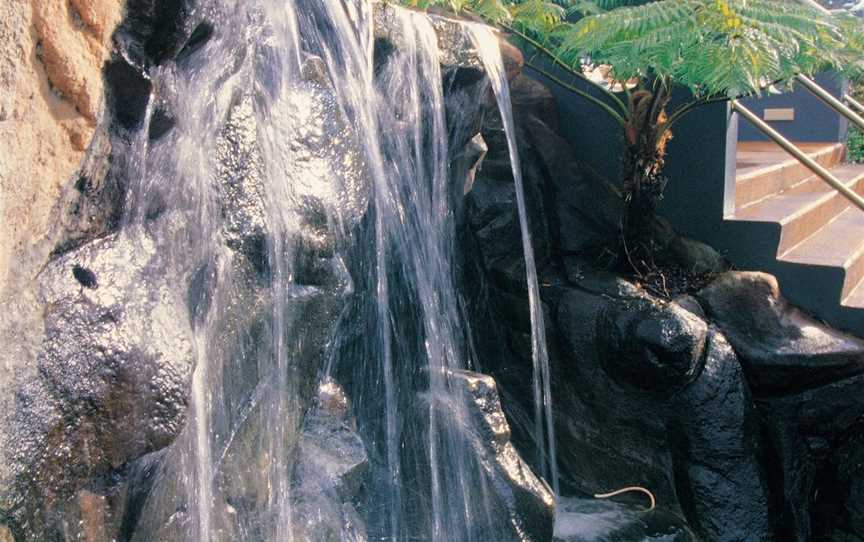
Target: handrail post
[789, 147]
[830, 100]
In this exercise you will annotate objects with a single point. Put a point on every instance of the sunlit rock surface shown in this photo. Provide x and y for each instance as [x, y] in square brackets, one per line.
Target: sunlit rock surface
[528, 500]
[114, 365]
[51, 97]
[330, 470]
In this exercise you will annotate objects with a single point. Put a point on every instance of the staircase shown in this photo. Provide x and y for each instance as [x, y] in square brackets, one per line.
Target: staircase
[789, 222]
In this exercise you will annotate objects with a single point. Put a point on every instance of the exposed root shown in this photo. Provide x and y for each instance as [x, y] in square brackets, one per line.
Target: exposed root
[630, 490]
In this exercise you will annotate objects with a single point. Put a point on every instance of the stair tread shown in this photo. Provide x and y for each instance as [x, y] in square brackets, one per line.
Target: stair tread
[784, 207]
[855, 300]
[836, 244]
[753, 162]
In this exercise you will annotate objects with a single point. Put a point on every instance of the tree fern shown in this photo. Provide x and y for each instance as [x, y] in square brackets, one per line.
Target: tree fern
[728, 47]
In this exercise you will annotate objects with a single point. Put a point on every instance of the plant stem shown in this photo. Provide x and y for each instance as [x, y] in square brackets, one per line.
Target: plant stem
[690, 106]
[563, 65]
[593, 99]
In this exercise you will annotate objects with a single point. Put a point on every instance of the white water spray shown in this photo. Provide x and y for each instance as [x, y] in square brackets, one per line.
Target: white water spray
[487, 47]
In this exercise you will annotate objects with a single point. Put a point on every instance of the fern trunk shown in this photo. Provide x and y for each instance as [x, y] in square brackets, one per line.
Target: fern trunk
[645, 137]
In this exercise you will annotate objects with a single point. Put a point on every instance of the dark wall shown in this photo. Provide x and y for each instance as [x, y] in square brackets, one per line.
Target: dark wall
[696, 159]
[594, 135]
[814, 121]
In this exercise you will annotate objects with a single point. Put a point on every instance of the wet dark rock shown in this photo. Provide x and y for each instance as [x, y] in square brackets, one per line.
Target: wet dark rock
[85, 277]
[161, 123]
[839, 492]
[527, 500]
[696, 449]
[714, 433]
[157, 28]
[650, 345]
[92, 207]
[200, 36]
[645, 392]
[783, 349]
[114, 371]
[128, 92]
[530, 97]
[330, 469]
[804, 429]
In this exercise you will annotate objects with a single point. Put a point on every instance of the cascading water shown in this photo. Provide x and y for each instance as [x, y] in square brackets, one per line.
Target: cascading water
[272, 232]
[487, 48]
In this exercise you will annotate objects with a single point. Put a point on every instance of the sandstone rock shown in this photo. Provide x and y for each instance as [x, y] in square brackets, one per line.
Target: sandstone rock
[783, 349]
[51, 96]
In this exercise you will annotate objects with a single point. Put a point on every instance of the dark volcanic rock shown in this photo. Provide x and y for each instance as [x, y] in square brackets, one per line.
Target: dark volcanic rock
[527, 500]
[715, 434]
[128, 90]
[692, 440]
[804, 429]
[651, 345]
[783, 349]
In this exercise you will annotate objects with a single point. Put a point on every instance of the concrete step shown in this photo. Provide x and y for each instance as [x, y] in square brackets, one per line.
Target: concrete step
[840, 244]
[802, 214]
[764, 169]
[855, 300]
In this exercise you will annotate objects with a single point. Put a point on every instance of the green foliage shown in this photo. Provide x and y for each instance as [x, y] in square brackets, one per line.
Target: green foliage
[714, 47]
[855, 142]
[855, 146]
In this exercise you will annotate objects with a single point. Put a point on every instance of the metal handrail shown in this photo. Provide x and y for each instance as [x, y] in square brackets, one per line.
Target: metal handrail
[790, 147]
[815, 5]
[830, 100]
[854, 103]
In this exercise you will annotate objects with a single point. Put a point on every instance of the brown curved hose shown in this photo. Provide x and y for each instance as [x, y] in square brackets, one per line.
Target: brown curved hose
[629, 490]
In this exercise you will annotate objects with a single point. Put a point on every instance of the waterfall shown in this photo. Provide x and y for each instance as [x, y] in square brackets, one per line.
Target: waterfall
[270, 235]
[487, 47]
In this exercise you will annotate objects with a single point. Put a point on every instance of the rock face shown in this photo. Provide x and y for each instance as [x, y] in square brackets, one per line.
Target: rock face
[114, 371]
[330, 470]
[529, 502]
[233, 268]
[731, 406]
[51, 96]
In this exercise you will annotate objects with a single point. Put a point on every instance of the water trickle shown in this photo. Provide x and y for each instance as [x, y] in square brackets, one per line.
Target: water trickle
[256, 202]
[490, 54]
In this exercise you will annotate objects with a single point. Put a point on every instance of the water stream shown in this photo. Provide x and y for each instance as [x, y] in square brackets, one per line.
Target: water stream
[487, 47]
[402, 337]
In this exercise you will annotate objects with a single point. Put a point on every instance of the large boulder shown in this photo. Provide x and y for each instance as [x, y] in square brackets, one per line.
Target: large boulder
[699, 445]
[525, 501]
[784, 349]
[114, 370]
[805, 377]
